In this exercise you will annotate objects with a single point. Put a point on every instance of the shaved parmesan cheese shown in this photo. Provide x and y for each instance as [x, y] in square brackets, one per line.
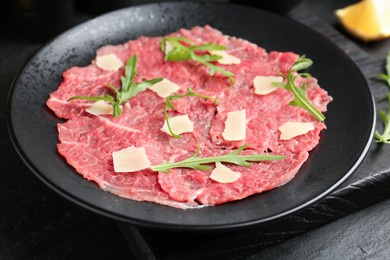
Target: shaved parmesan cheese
[292, 129]
[100, 108]
[223, 174]
[235, 126]
[179, 124]
[263, 84]
[130, 159]
[165, 88]
[109, 62]
[168, 47]
[226, 57]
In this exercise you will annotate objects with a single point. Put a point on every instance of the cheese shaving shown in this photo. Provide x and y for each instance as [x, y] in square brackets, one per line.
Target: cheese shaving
[235, 126]
[226, 58]
[168, 47]
[223, 174]
[263, 84]
[130, 159]
[100, 108]
[109, 62]
[165, 88]
[179, 124]
[290, 130]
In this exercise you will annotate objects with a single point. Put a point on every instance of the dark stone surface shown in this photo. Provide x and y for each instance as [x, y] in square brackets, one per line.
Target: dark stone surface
[362, 235]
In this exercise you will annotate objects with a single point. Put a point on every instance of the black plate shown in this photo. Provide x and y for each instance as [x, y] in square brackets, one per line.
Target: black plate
[350, 118]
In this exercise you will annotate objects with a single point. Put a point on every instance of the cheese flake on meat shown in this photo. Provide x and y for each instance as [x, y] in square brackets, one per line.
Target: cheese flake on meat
[226, 58]
[100, 108]
[168, 47]
[223, 174]
[263, 84]
[292, 129]
[179, 124]
[165, 88]
[130, 159]
[109, 62]
[235, 126]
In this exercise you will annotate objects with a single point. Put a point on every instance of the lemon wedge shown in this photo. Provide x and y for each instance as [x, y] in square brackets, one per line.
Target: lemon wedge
[368, 20]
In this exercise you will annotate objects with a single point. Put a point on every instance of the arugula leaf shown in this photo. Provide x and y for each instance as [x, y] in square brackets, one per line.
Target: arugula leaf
[385, 136]
[302, 63]
[198, 163]
[168, 104]
[300, 97]
[128, 89]
[185, 49]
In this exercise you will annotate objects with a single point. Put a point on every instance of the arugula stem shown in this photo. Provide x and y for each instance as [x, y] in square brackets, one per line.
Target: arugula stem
[195, 162]
[385, 136]
[168, 103]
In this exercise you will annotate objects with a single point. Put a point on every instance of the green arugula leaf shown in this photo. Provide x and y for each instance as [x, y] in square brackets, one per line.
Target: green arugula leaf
[129, 88]
[300, 97]
[106, 98]
[385, 136]
[168, 104]
[198, 163]
[185, 49]
[302, 63]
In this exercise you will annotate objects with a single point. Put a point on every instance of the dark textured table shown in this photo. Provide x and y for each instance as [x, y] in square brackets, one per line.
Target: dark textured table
[37, 223]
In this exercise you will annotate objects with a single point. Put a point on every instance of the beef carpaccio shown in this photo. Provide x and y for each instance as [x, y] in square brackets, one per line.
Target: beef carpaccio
[87, 141]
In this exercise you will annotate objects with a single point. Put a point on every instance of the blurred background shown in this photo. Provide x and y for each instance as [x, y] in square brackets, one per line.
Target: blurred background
[40, 20]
